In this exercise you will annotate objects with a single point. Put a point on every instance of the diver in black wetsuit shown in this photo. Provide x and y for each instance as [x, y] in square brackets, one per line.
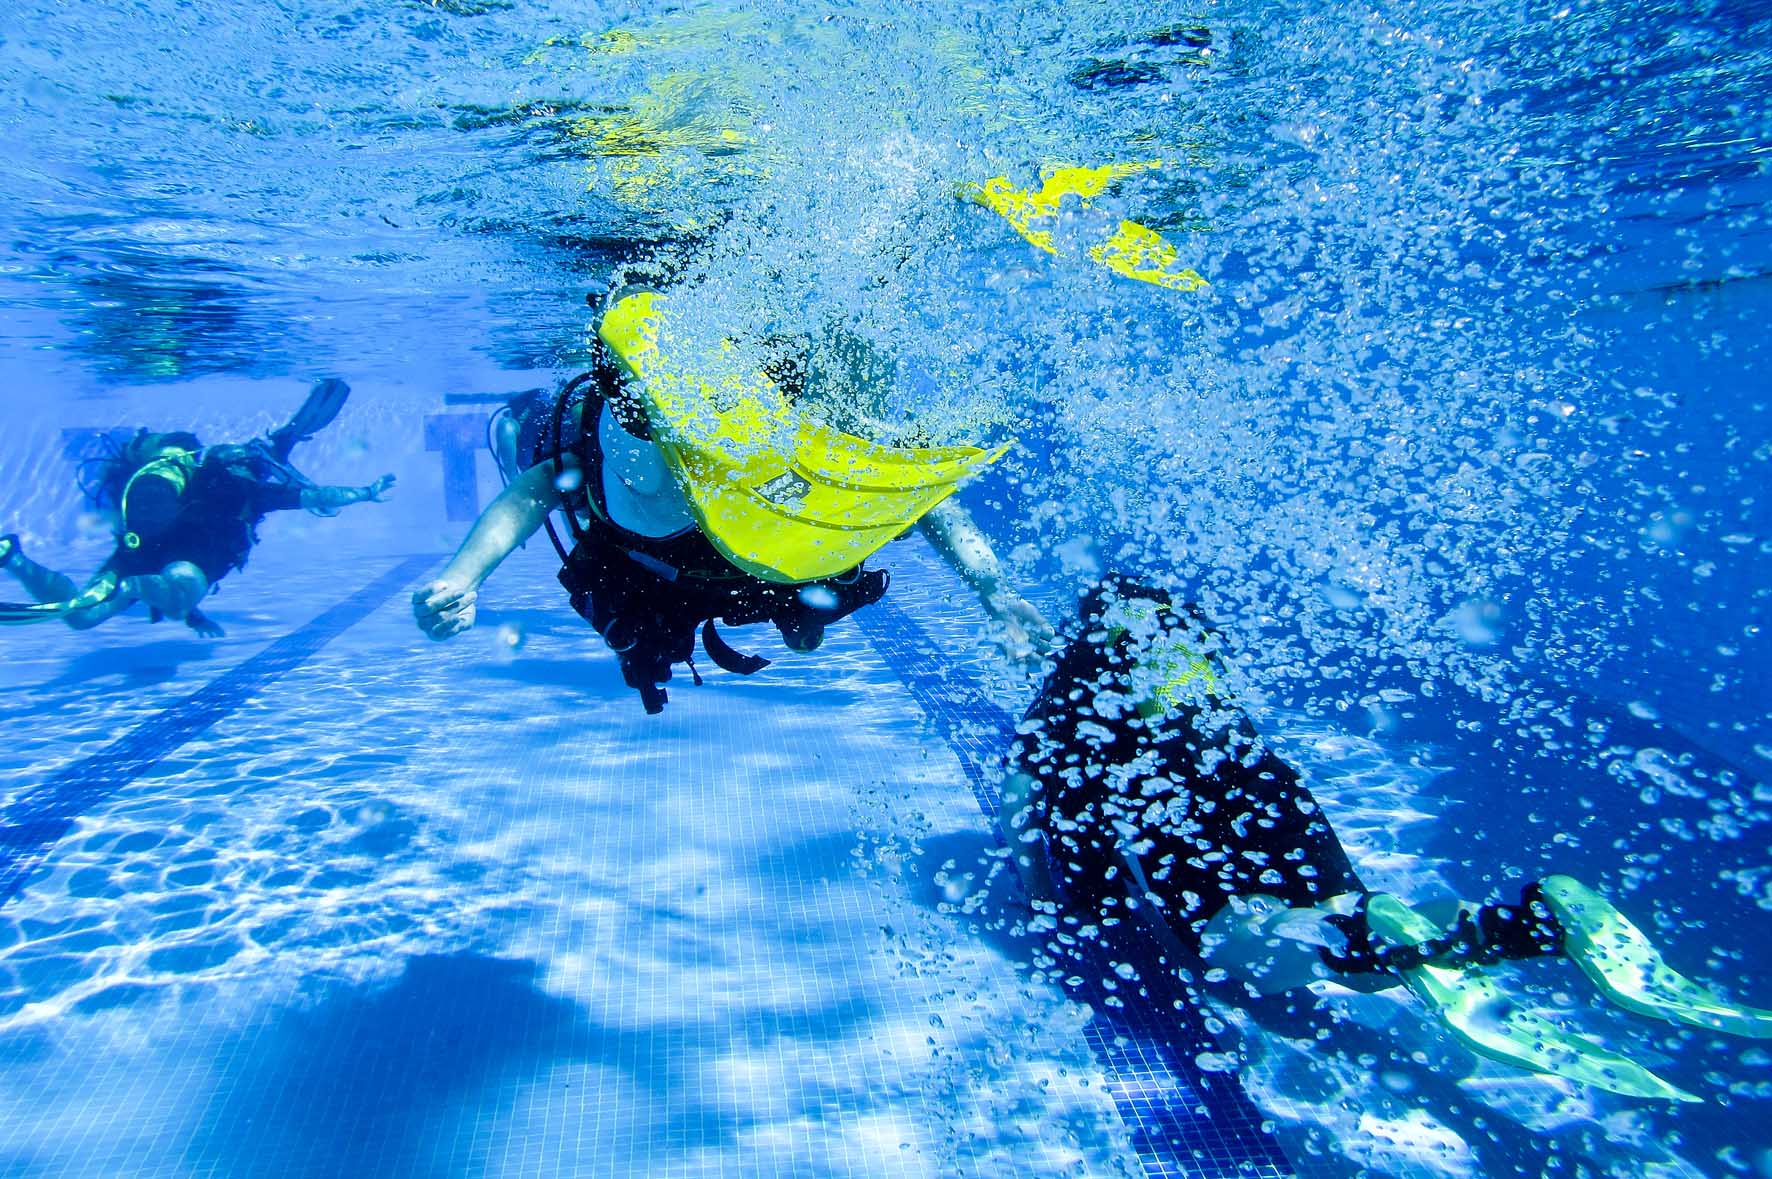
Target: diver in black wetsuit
[186, 516]
[1136, 789]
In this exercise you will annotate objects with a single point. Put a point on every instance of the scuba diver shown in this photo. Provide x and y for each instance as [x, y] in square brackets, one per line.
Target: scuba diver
[693, 493]
[1135, 792]
[185, 516]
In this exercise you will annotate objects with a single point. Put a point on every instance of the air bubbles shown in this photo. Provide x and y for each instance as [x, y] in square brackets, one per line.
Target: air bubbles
[569, 481]
[1666, 529]
[1396, 1080]
[1477, 622]
[819, 597]
[509, 636]
[1078, 557]
[1301, 134]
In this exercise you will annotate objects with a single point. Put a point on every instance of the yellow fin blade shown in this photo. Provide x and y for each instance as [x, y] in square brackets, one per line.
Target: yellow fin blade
[1146, 255]
[1132, 250]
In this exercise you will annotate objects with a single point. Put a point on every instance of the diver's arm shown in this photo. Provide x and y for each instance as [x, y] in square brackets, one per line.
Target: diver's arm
[326, 501]
[951, 529]
[445, 607]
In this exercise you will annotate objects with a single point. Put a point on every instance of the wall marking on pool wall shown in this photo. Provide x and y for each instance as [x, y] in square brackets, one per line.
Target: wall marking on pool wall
[35, 821]
[459, 437]
[1184, 1122]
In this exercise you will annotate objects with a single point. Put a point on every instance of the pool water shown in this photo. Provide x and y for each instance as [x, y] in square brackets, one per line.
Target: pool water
[1460, 438]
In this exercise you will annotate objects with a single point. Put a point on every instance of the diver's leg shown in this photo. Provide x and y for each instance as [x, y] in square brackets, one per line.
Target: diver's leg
[41, 582]
[1017, 813]
[110, 597]
[175, 591]
[1270, 948]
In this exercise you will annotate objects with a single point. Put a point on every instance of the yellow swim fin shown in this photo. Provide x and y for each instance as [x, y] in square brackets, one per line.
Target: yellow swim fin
[1133, 250]
[784, 499]
[1471, 1004]
[1628, 970]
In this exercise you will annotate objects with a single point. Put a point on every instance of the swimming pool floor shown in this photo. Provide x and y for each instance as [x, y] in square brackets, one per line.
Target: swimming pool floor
[352, 903]
[324, 899]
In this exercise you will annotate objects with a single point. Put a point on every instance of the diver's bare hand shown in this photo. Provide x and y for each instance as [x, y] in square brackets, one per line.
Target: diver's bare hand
[203, 624]
[379, 491]
[1027, 637]
[444, 609]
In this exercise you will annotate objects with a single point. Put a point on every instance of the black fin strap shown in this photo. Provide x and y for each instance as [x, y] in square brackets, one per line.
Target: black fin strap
[1495, 933]
[1363, 955]
[1526, 930]
[725, 656]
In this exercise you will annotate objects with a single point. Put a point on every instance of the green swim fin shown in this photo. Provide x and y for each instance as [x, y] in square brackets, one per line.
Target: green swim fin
[1627, 968]
[1471, 1004]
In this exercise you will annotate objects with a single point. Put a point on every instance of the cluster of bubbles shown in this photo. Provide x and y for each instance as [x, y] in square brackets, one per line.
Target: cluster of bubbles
[1383, 440]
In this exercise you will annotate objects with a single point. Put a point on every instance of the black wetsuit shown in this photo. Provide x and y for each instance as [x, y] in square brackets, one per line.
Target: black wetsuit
[213, 521]
[1211, 811]
[647, 596]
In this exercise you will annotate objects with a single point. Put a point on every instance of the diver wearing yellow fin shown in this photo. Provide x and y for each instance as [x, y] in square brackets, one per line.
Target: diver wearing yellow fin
[1135, 786]
[186, 516]
[694, 492]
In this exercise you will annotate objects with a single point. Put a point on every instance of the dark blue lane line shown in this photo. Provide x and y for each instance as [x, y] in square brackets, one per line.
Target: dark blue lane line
[34, 822]
[1184, 1122]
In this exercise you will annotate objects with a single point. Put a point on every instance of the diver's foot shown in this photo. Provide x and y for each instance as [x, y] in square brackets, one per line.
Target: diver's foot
[8, 547]
[1620, 960]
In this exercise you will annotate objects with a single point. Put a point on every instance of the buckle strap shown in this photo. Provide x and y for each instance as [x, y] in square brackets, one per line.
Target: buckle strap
[725, 656]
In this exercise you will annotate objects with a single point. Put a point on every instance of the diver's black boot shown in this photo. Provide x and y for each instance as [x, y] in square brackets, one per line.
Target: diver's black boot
[1493, 933]
[325, 400]
[1527, 930]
